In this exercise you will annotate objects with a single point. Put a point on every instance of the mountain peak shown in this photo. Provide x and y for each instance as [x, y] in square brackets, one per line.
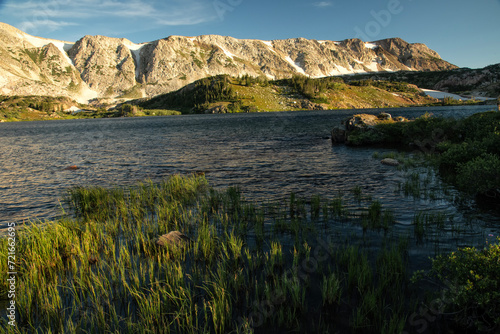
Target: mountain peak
[118, 68]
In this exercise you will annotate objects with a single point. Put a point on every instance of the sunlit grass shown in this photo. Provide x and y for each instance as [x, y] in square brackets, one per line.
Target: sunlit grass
[247, 264]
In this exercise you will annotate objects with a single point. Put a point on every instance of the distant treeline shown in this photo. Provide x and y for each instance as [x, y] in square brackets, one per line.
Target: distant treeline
[311, 88]
[14, 104]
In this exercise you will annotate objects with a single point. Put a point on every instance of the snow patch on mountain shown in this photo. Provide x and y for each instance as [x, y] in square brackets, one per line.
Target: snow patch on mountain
[373, 67]
[441, 95]
[268, 43]
[40, 42]
[296, 65]
[340, 70]
[227, 53]
[135, 49]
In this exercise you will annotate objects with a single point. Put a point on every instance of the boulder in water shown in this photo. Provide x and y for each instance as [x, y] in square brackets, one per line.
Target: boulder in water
[390, 162]
[339, 135]
[173, 239]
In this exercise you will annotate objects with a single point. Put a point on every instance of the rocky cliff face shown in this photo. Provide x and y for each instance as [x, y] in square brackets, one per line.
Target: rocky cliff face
[414, 56]
[99, 66]
[106, 64]
[477, 82]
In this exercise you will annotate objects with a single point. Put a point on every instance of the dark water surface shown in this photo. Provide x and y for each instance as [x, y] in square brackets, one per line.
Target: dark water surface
[267, 155]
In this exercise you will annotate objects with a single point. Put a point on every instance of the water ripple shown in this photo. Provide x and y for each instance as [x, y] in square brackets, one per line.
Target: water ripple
[266, 155]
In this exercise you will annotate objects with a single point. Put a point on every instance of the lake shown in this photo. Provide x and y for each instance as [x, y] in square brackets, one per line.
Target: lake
[267, 155]
[347, 249]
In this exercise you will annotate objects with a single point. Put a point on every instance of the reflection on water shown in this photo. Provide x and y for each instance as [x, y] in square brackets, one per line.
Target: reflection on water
[267, 155]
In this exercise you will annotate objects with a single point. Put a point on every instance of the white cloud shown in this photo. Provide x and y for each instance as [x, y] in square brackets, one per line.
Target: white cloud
[323, 4]
[50, 15]
[45, 25]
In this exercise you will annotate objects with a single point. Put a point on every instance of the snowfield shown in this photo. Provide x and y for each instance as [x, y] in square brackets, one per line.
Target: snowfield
[135, 49]
[441, 95]
[40, 42]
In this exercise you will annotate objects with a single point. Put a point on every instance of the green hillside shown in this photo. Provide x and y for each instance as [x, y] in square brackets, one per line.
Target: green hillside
[34, 108]
[225, 94]
[247, 94]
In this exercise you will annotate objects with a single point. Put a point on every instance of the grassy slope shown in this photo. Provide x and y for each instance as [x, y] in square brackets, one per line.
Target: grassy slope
[285, 95]
[280, 98]
[236, 95]
[34, 108]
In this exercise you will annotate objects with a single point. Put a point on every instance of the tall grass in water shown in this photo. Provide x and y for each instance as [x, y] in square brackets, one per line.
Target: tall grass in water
[101, 270]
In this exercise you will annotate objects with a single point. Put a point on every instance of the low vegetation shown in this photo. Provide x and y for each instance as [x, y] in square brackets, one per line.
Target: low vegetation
[196, 97]
[14, 108]
[225, 94]
[34, 108]
[466, 151]
[128, 110]
[471, 279]
[244, 94]
[247, 268]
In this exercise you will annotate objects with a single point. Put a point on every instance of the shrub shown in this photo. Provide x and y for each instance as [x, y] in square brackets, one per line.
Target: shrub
[128, 110]
[481, 125]
[320, 100]
[358, 137]
[472, 276]
[236, 106]
[425, 128]
[459, 154]
[161, 112]
[480, 174]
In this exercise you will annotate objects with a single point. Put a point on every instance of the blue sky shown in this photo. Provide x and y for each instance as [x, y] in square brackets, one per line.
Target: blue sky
[466, 33]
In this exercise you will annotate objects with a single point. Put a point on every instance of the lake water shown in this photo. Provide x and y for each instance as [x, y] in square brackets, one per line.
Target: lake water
[268, 155]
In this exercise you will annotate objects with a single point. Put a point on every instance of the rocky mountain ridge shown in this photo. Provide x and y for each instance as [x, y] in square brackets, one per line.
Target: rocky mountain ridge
[473, 83]
[114, 68]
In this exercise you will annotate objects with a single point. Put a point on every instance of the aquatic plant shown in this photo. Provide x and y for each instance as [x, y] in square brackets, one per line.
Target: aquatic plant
[245, 264]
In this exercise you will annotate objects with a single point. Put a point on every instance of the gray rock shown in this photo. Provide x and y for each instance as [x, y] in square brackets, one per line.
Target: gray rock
[217, 110]
[306, 104]
[339, 136]
[361, 122]
[384, 116]
[390, 162]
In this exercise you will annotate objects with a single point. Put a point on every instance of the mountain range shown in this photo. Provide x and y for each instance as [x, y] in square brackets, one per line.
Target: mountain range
[99, 67]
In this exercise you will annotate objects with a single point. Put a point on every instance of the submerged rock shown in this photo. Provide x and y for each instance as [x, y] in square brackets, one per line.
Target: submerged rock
[339, 135]
[390, 162]
[174, 238]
